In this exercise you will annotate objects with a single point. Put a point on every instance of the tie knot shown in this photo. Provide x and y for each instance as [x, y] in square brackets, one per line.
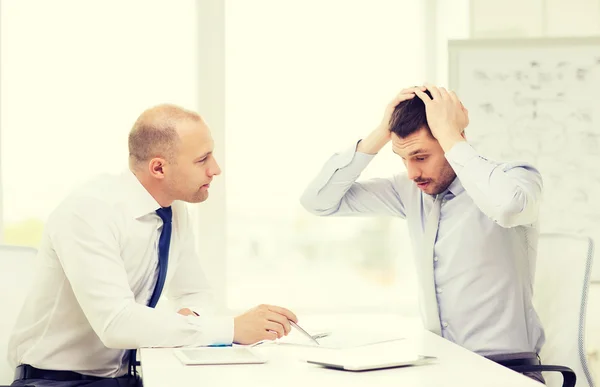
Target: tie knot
[165, 213]
[442, 195]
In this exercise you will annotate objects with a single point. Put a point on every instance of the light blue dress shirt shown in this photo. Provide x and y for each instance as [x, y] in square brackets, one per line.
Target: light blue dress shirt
[485, 250]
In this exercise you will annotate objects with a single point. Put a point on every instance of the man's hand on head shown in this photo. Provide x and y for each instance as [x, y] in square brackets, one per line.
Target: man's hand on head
[404, 95]
[446, 115]
[382, 135]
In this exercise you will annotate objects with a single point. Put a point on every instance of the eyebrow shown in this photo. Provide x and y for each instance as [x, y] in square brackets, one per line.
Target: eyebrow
[203, 156]
[415, 152]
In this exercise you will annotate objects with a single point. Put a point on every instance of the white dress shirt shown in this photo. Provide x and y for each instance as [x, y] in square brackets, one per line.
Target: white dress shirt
[94, 275]
[484, 254]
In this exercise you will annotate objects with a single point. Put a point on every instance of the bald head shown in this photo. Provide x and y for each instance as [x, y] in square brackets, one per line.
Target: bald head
[156, 133]
[171, 153]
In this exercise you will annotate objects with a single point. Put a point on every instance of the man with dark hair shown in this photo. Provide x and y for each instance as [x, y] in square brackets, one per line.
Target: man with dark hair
[473, 222]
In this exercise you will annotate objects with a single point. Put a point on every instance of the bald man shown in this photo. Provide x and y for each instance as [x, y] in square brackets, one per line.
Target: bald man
[109, 250]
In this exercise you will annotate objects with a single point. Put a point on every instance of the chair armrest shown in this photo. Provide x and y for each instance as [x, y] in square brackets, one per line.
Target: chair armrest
[569, 377]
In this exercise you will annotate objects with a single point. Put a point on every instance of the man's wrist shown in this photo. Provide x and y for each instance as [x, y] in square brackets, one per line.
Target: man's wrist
[376, 140]
[449, 139]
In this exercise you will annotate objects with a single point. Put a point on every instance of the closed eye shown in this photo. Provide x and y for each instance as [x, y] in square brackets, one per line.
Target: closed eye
[203, 157]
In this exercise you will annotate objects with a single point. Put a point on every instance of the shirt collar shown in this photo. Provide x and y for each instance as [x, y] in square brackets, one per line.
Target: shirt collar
[138, 200]
[456, 187]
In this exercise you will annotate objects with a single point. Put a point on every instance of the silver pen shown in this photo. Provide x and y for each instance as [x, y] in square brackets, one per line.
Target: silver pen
[305, 333]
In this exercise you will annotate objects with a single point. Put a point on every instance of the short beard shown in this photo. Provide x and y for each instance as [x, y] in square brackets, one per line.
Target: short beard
[446, 179]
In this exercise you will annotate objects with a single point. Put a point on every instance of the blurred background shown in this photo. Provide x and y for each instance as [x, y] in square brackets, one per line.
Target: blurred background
[283, 84]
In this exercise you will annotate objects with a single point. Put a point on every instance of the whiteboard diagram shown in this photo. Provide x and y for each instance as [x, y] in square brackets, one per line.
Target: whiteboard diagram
[538, 100]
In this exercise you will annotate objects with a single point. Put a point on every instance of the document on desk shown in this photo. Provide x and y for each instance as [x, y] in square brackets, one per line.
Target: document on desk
[215, 356]
[334, 340]
[343, 340]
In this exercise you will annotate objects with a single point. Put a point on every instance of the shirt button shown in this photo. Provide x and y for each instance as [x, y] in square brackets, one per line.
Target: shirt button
[435, 259]
[444, 324]
[439, 290]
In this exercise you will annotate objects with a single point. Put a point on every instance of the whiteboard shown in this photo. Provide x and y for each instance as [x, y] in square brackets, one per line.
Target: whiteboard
[538, 100]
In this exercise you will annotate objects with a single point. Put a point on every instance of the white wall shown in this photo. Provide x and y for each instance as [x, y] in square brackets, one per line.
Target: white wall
[452, 22]
[75, 75]
[211, 235]
[305, 79]
[534, 18]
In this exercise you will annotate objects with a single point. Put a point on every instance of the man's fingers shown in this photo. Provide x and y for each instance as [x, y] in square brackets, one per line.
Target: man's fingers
[283, 311]
[281, 320]
[435, 93]
[406, 94]
[458, 102]
[399, 98]
[402, 97]
[424, 97]
[402, 93]
[185, 312]
[269, 335]
[275, 327]
[444, 93]
[455, 99]
[462, 107]
[411, 90]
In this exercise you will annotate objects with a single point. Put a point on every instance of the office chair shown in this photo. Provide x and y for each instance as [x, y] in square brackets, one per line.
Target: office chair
[563, 269]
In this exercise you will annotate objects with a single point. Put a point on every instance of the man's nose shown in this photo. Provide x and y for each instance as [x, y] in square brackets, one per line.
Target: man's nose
[413, 171]
[214, 169]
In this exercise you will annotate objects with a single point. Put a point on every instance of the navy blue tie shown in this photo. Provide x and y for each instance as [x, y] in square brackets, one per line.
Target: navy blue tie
[166, 214]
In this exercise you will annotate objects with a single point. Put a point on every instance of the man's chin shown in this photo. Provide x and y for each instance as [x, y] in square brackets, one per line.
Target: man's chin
[201, 198]
[197, 198]
[430, 189]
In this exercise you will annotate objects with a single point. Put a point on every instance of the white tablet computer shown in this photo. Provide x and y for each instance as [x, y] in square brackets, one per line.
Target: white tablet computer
[364, 364]
[217, 355]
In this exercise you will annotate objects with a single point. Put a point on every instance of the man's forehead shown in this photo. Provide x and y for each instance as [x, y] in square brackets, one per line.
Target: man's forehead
[203, 148]
[197, 144]
[406, 143]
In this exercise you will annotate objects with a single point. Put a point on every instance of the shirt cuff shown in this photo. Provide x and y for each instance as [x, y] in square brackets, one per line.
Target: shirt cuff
[351, 163]
[460, 155]
[218, 330]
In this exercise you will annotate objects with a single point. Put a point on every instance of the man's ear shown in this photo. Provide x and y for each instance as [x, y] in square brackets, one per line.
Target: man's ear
[463, 135]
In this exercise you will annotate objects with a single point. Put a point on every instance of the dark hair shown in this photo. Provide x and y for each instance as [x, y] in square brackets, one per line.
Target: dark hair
[409, 116]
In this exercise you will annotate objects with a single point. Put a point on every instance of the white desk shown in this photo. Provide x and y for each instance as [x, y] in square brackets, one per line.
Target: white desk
[285, 367]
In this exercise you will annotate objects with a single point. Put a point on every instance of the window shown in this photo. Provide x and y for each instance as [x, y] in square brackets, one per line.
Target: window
[305, 79]
[72, 87]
